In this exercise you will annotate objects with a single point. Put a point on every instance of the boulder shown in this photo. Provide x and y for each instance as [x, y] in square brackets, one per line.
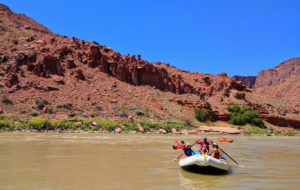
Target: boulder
[78, 123]
[173, 130]
[58, 79]
[240, 95]
[141, 129]
[12, 79]
[162, 131]
[94, 123]
[71, 64]
[118, 130]
[41, 42]
[80, 75]
[223, 74]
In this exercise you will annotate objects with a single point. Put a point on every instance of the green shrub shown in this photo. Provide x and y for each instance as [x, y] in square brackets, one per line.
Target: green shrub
[202, 115]
[244, 115]
[49, 110]
[157, 116]
[86, 124]
[139, 112]
[107, 125]
[5, 124]
[63, 124]
[15, 41]
[257, 131]
[167, 125]
[67, 106]
[84, 115]
[70, 125]
[277, 132]
[98, 108]
[176, 125]
[290, 133]
[130, 126]
[124, 111]
[119, 114]
[6, 101]
[45, 102]
[59, 123]
[34, 113]
[41, 104]
[58, 105]
[40, 123]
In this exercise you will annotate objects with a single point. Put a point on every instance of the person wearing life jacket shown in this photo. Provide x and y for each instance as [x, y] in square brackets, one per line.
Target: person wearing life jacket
[216, 152]
[179, 146]
[187, 151]
[203, 150]
[205, 143]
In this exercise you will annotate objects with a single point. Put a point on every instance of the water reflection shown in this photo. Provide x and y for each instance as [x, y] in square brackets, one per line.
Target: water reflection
[191, 180]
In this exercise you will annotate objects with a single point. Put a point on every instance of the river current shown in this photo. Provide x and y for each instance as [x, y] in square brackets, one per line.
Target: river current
[73, 161]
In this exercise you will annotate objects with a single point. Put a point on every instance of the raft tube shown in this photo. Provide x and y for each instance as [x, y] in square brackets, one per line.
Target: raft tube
[204, 162]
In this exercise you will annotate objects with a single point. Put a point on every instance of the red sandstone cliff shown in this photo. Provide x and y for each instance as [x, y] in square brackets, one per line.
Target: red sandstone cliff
[248, 81]
[38, 64]
[281, 83]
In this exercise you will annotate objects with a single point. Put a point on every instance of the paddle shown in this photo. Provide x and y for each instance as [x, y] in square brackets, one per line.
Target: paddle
[230, 157]
[191, 147]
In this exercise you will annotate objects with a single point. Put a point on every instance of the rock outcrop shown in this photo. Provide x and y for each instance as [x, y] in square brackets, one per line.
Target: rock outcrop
[284, 70]
[281, 83]
[248, 81]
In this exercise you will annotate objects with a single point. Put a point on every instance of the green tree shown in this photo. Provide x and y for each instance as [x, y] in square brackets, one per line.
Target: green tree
[202, 114]
[244, 115]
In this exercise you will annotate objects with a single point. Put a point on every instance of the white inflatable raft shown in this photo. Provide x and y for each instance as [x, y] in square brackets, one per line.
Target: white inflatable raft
[203, 162]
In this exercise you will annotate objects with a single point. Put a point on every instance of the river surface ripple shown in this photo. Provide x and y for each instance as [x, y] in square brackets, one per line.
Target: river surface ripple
[133, 161]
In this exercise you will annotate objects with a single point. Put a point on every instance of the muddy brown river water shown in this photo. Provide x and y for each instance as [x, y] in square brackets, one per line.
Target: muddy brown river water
[133, 161]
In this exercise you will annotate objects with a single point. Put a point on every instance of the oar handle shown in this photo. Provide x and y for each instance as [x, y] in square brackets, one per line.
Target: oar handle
[229, 156]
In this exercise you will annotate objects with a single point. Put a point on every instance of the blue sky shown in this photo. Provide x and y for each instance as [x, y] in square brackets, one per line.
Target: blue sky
[210, 36]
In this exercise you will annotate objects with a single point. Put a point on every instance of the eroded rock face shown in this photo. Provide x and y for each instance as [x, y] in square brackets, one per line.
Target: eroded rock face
[80, 75]
[12, 79]
[280, 121]
[282, 82]
[71, 64]
[49, 65]
[282, 71]
[94, 56]
[140, 72]
[248, 81]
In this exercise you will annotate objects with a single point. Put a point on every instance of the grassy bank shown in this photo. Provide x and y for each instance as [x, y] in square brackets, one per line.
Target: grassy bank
[12, 123]
[269, 132]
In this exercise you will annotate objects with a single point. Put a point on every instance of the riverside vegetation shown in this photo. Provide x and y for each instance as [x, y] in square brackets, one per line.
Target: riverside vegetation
[242, 116]
[40, 124]
[10, 123]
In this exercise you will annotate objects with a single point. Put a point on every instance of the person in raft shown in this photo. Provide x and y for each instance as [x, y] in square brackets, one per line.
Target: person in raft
[203, 150]
[205, 143]
[187, 151]
[216, 152]
[179, 146]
